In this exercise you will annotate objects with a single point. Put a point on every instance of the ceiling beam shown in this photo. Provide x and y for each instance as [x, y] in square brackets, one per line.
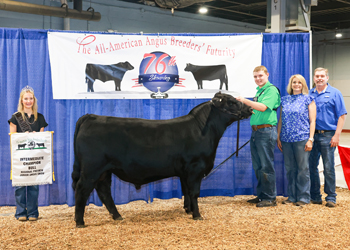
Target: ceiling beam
[235, 11]
[44, 10]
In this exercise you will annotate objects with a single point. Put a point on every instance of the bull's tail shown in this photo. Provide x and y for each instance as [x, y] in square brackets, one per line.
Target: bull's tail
[76, 165]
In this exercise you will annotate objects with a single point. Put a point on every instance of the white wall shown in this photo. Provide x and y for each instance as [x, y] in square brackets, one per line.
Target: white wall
[334, 54]
[127, 17]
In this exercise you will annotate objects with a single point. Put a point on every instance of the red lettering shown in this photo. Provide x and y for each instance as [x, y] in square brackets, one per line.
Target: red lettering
[85, 41]
[153, 57]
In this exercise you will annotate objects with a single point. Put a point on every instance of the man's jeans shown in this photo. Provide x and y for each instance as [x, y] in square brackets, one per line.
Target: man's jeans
[296, 162]
[262, 146]
[322, 147]
[27, 201]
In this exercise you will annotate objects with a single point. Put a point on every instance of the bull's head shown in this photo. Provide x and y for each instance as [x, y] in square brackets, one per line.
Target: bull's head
[229, 105]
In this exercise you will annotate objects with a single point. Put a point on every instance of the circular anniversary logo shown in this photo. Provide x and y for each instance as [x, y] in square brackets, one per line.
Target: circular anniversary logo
[158, 73]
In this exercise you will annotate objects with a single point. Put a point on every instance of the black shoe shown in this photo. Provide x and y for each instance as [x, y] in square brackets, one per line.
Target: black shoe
[330, 204]
[255, 200]
[287, 202]
[300, 203]
[266, 204]
[317, 202]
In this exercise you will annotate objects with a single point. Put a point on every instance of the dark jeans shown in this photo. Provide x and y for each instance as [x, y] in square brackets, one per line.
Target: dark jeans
[322, 148]
[296, 162]
[262, 146]
[27, 201]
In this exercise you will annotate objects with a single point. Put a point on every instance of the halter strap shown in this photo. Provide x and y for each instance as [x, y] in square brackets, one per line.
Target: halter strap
[224, 110]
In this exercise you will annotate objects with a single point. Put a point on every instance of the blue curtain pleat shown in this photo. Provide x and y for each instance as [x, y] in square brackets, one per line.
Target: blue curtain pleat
[25, 61]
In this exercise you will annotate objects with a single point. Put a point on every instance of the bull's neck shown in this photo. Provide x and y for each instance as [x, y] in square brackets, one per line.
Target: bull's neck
[210, 119]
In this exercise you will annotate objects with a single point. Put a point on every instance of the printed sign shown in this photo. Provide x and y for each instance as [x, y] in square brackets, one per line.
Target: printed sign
[31, 158]
[112, 66]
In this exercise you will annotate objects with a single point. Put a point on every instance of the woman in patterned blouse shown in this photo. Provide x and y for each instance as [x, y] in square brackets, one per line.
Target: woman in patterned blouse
[296, 128]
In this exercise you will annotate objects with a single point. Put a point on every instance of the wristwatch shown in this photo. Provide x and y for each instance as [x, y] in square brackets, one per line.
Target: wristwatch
[311, 139]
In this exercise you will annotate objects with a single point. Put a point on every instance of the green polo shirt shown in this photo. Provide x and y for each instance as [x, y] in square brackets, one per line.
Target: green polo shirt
[272, 99]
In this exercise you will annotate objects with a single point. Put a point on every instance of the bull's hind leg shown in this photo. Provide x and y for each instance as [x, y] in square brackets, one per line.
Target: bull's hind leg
[82, 193]
[90, 85]
[200, 84]
[103, 188]
[187, 201]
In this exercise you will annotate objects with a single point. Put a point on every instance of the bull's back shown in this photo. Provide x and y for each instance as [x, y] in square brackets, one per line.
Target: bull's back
[139, 133]
[142, 150]
[105, 73]
[210, 72]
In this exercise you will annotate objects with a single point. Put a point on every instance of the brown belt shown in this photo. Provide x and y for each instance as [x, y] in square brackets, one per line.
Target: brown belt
[322, 131]
[256, 127]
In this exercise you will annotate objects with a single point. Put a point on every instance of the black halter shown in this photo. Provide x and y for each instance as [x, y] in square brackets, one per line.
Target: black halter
[237, 113]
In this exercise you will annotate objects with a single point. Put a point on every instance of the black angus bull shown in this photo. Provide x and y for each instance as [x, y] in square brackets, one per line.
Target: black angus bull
[140, 151]
[106, 73]
[210, 73]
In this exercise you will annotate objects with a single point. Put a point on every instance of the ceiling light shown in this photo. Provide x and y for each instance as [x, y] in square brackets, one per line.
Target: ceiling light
[203, 10]
[338, 35]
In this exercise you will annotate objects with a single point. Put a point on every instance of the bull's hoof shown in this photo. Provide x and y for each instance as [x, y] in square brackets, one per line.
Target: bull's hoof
[80, 226]
[198, 218]
[188, 211]
[118, 218]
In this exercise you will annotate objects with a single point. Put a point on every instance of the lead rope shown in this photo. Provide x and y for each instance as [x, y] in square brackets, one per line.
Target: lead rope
[215, 169]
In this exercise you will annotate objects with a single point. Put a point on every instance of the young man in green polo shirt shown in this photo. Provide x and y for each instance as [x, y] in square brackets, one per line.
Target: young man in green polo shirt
[264, 136]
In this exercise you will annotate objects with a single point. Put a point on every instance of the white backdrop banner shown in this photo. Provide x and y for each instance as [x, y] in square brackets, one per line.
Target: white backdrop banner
[31, 158]
[114, 66]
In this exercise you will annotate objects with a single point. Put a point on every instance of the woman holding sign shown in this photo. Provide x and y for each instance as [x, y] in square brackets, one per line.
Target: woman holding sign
[27, 120]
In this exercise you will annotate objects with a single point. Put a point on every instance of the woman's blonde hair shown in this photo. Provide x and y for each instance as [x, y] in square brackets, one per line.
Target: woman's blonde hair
[20, 107]
[305, 89]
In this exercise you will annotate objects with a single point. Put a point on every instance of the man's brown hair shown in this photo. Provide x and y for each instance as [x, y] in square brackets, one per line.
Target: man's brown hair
[261, 68]
[321, 69]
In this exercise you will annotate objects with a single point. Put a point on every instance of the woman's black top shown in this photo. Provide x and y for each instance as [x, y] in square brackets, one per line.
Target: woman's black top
[36, 126]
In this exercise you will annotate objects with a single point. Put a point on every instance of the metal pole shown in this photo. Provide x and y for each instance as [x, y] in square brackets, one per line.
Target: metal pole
[78, 5]
[66, 21]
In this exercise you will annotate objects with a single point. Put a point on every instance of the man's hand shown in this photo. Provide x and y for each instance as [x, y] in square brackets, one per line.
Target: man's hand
[240, 98]
[335, 141]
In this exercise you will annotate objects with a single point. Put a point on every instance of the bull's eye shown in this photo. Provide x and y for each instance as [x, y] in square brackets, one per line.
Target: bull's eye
[230, 103]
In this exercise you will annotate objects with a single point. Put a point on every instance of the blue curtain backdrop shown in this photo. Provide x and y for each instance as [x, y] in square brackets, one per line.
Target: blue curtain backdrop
[25, 61]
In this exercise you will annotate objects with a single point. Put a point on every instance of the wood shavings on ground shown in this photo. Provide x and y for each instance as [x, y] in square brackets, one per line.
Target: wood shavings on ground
[229, 223]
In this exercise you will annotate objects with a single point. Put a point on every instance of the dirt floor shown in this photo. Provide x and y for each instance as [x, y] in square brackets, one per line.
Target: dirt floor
[229, 223]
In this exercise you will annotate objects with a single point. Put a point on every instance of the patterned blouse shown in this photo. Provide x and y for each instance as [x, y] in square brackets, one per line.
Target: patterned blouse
[295, 118]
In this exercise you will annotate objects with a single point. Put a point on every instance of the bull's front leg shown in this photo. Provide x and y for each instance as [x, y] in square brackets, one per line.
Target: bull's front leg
[187, 201]
[117, 84]
[194, 191]
[82, 193]
[194, 179]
